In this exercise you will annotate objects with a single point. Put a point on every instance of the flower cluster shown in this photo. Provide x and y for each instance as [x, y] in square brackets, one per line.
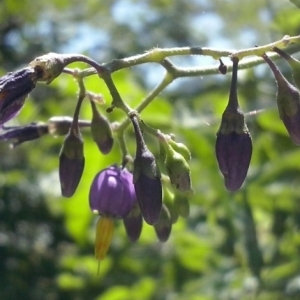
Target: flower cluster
[157, 189]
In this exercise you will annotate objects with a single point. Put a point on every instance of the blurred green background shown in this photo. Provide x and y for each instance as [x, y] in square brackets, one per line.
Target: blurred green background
[229, 240]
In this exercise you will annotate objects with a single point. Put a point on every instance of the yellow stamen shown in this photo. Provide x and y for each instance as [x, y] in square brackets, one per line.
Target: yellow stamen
[104, 234]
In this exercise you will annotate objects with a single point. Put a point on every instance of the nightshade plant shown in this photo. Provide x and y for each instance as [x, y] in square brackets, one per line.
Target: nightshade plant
[139, 188]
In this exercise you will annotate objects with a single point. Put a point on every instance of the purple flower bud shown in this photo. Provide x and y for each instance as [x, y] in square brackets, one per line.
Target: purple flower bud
[288, 102]
[233, 144]
[71, 164]
[112, 192]
[14, 88]
[146, 178]
[164, 225]
[101, 131]
[19, 134]
[133, 223]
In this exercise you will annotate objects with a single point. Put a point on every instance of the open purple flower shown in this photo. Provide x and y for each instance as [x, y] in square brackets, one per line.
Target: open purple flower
[112, 192]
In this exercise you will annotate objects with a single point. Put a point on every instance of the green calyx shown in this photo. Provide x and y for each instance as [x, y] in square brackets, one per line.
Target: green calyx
[73, 146]
[233, 121]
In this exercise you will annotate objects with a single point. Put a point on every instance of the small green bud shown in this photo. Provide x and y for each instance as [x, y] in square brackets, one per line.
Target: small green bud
[182, 204]
[71, 163]
[288, 102]
[177, 168]
[181, 149]
[164, 225]
[168, 200]
[101, 131]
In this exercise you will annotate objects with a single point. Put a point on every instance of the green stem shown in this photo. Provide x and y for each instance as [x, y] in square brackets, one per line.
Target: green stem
[168, 78]
[75, 127]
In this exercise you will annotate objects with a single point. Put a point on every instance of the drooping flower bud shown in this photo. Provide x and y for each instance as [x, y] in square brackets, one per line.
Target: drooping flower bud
[71, 163]
[146, 178]
[177, 167]
[104, 234]
[14, 88]
[60, 125]
[233, 145]
[288, 102]
[164, 225]
[71, 157]
[17, 135]
[101, 131]
[133, 223]
[294, 64]
[112, 192]
[182, 204]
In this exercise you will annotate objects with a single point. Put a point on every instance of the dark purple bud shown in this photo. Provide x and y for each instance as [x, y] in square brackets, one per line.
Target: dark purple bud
[71, 163]
[146, 178]
[133, 223]
[288, 102]
[233, 145]
[164, 225]
[14, 88]
[112, 192]
[101, 131]
[17, 135]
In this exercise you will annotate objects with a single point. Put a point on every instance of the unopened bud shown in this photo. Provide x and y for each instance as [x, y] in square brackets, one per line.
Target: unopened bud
[233, 144]
[133, 223]
[177, 168]
[14, 88]
[146, 178]
[17, 135]
[164, 225]
[288, 102]
[182, 204]
[60, 126]
[168, 200]
[101, 131]
[71, 163]
[181, 149]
